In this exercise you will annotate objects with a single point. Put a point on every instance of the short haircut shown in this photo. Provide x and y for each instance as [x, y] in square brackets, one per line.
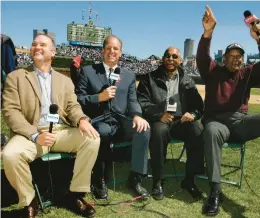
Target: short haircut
[112, 36]
[43, 34]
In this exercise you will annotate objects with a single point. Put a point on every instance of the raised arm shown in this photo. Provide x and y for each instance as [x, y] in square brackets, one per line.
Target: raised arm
[208, 22]
[204, 61]
[254, 31]
[255, 69]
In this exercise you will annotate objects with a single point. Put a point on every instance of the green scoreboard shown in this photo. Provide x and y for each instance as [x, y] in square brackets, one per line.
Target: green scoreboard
[87, 34]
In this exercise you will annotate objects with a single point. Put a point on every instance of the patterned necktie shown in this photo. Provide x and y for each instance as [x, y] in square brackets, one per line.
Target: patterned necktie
[110, 81]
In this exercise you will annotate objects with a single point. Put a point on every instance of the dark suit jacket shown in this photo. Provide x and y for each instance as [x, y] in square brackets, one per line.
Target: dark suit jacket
[92, 81]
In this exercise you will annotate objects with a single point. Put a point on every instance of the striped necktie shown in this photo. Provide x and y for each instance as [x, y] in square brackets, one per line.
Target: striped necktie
[110, 82]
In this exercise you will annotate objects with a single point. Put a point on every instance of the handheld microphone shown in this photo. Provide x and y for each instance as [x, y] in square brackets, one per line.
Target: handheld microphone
[115, 76]
[171, 106]
[53, 117]
[251, 19]
[173, 109]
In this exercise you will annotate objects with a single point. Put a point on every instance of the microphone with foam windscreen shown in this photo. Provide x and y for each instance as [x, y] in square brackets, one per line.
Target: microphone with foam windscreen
[171, 106]
[251, 19]
[53, 116]
[173, 109]
[115, 76]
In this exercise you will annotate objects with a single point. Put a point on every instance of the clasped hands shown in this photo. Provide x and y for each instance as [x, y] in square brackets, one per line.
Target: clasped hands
[168, 117]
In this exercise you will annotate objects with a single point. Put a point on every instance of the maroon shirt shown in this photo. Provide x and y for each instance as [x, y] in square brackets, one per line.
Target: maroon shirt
[225, 91]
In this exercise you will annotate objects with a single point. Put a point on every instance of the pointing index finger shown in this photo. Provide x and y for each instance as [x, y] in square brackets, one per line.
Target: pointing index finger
[209, 11]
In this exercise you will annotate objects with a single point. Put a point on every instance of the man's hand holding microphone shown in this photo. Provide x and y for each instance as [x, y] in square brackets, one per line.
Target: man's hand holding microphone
[172, 113]
[110, 92]
[107, 94]
[48, 138]
[254, 25]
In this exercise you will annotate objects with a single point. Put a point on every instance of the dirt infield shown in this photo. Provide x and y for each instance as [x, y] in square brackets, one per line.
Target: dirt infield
[254, 99]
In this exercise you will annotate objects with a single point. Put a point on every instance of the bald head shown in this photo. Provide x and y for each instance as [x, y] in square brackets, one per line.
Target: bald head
[172, 59]
[172, 49]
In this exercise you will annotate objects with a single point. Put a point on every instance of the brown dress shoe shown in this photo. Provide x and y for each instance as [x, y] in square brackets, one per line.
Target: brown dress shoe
[80, 207]
[31, 210]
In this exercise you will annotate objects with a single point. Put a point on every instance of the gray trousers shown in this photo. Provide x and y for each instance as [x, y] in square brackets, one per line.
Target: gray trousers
[234, 127]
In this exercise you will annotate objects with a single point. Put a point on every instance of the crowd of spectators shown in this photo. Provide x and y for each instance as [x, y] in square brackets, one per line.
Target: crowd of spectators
[191, 71]
[92, 53]
[127, 61]
[138, 66]
[24, 59]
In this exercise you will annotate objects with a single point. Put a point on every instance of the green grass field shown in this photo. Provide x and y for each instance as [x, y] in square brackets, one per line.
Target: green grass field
[177, 203]
[255, 91]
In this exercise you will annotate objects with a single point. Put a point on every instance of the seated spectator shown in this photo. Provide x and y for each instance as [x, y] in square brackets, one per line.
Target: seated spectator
[97, 96]
[27, 98]
[171, 103]
[226, 115]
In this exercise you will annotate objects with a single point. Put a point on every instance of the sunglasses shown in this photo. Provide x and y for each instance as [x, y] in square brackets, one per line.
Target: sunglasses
[174, 56]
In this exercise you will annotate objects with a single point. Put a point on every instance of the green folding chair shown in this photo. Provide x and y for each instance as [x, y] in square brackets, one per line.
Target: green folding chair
[46, 158]
[129, 143]
[239, 167]
[115, 146]
[171, 143]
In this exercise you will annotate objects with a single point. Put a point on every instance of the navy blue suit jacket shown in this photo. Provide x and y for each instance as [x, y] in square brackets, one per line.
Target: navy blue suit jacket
[93, 80]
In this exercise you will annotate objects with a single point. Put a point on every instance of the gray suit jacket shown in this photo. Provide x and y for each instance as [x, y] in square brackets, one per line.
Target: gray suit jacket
[93, 80]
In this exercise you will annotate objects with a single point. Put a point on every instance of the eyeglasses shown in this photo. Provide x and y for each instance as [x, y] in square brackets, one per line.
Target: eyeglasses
[174, 56]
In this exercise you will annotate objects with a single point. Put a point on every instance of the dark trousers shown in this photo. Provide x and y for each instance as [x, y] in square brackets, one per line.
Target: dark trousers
[190, 133]
[234, 127]
[118, 131]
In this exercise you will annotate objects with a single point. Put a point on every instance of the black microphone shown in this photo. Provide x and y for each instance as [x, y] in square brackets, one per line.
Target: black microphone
[53, 117]
[171, 100]
[115, 76]
[172, 108]
[251, 19]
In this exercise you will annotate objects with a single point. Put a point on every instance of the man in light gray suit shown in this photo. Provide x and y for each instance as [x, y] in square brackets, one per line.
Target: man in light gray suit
[98, 95]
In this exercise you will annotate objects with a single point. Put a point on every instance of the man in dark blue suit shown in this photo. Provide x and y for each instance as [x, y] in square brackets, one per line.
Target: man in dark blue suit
[97, 96]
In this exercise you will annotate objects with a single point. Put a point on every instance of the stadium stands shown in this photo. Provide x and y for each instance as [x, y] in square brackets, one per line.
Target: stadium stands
[138, 66]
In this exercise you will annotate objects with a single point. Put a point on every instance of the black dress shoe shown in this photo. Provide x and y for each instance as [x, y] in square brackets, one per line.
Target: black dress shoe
[157, 191]
[192, 189]
[135, 183]
[99, 189]
[31, 210]
[79, 206]
[211, 206]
